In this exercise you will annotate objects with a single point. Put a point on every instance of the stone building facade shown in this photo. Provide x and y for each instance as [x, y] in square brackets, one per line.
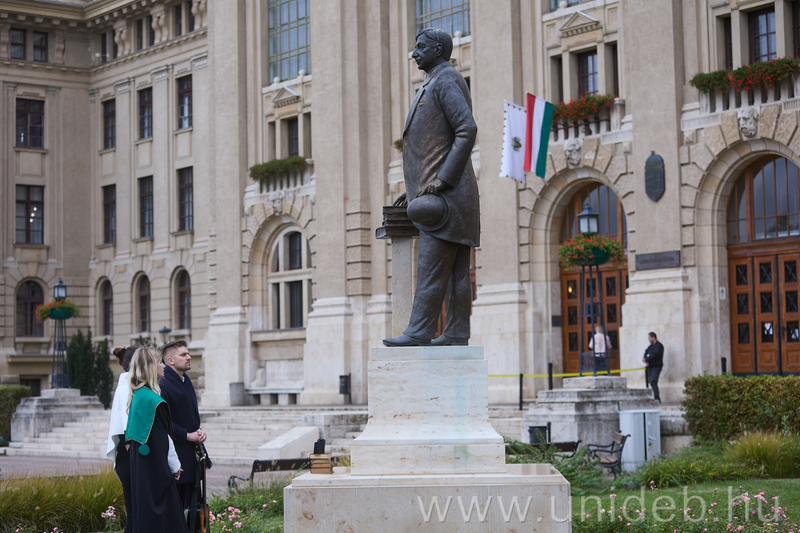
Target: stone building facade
[282, 285]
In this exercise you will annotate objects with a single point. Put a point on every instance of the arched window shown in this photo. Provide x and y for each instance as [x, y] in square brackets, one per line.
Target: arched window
[604, 202]
[184, 301]
[764, 203]
[108, 309]
[289, 281]
[143, 298]
[29, 296]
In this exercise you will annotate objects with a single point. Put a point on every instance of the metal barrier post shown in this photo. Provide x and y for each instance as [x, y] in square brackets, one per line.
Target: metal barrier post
[724, 365]
[550, 376]
[520, 392]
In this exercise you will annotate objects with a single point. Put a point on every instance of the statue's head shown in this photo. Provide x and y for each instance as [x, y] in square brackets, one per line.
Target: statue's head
[434, 46]
[572, 150]
[748, 121]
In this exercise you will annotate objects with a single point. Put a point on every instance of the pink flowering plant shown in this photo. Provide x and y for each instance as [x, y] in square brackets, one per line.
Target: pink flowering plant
[255, 509]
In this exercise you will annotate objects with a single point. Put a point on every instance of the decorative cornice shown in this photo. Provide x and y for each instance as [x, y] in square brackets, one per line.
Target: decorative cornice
[579, 23]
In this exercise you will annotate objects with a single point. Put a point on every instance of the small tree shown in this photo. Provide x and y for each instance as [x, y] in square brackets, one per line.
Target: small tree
[88, 367]
[103, 376]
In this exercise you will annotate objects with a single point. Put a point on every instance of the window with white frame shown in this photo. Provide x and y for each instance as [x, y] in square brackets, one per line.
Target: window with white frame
[289, 40]
[449, 15]
[289, 281]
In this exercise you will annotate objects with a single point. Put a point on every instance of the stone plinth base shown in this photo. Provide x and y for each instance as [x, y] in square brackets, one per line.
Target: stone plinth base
[53, 408]
[522, 498]
[586, 409]
[428, 414]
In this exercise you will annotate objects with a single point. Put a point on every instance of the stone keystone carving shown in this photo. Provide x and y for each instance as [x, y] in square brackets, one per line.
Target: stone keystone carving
[573, 149]
[748, 121]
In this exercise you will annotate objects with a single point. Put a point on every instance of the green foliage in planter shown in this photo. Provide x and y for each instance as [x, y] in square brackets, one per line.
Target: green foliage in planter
[582, 472]
[88, 367]
[722, 407]
[72, 504]
[707, 82]
[583, 249]
[10, 397]
[264, 172]
[398, 143]
[770, 73]
[582, 108]
[43, 311]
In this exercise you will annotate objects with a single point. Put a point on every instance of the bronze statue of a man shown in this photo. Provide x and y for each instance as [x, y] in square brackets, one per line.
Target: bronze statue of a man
[441, 194]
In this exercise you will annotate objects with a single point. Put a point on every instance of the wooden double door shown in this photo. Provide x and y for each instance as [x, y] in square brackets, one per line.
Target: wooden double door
[613, 282]
[765, 321]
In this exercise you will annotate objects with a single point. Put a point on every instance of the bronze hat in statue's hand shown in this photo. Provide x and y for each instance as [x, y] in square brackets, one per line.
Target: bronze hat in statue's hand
[429, 211]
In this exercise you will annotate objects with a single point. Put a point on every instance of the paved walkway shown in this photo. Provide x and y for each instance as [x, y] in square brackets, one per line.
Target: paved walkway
[17, 466]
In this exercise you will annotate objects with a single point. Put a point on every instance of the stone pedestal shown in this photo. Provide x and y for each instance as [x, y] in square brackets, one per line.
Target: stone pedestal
[53, 408]
[429, 460]
[586, 409]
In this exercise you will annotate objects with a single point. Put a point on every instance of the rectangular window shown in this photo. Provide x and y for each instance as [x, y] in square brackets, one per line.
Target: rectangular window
[289, 40]
[293, 128]
[189, 15]
[185, 102]
[796, 28]
[146, 113]
[110, 214]
[450, 16]
[140, 34]
[30, 215]
[114, 46]
[186, 196]
[295, 300]
[146, 206]
[151, 35]
[727, 37]
[295, 255]
[615, 68]
[587, 73]
[104, 48]
[17, 39]
[40, 46]
[178, 20]
[109, 124]
[30, 123]
[763, 45]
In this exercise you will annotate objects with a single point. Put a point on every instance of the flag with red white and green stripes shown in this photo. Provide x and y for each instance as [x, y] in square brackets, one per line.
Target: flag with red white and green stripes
[539, 120]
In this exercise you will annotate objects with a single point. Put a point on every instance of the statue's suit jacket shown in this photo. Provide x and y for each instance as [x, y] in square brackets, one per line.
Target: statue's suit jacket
[437, 143]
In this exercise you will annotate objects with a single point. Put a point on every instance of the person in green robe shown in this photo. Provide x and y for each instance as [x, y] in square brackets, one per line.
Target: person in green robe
[155, 506]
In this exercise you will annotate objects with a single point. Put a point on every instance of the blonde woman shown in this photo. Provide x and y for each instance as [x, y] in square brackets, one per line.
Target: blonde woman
[155, 507]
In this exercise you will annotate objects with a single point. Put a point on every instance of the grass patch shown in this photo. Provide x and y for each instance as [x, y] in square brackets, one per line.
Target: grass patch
[70, 504]
[256, 509]
[776, 454]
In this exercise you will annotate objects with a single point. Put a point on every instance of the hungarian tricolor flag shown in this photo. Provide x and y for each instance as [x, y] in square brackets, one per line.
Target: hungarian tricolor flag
[539, 120]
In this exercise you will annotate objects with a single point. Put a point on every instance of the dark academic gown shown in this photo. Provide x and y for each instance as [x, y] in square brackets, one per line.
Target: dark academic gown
[182, 401]
[155, 507]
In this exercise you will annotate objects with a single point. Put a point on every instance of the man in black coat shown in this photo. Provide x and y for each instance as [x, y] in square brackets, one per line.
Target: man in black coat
[438, 139]
[178, 391]
[654, 359]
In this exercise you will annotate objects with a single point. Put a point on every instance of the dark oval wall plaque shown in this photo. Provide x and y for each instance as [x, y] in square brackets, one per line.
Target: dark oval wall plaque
[654, 177]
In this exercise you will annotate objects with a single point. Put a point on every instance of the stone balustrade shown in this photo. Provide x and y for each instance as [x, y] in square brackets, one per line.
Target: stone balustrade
[606, 124]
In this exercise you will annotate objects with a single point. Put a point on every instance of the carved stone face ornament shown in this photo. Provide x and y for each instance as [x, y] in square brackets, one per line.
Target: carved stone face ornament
[572, 150]
[748, 121]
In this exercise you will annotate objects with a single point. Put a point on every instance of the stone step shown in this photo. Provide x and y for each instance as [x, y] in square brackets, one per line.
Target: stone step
[72, 454]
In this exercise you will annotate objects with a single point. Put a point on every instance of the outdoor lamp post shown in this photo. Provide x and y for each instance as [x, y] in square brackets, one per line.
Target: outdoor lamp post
[60, 377]
[164, 332]
[588, 220]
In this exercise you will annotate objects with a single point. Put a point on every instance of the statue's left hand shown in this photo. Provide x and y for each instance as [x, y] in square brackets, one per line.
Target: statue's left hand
[433, 188]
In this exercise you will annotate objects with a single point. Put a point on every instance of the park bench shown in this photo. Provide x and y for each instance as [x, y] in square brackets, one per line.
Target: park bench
[609, 455]
[272, 465]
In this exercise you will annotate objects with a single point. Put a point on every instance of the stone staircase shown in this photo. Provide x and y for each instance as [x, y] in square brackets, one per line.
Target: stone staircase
[235, 433]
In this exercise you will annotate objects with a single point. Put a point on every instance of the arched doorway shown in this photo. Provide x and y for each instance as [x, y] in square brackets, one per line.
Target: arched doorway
[614, 279]
[763, 259]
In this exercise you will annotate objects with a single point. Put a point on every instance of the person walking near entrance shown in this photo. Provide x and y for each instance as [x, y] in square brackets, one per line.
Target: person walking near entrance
[654, 360]
[178, 391]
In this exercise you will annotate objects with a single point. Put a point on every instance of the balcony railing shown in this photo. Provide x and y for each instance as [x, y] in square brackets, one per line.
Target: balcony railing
[718, 101]
[607, 121]
[300, 183]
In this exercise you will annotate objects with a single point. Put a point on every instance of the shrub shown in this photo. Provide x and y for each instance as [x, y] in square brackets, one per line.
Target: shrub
[10, 397]
[776, 454]
[88, 367]
[691, 465]
[73, 504]
[257, 508]
[580, 470]
[264, 172]
[722, 407]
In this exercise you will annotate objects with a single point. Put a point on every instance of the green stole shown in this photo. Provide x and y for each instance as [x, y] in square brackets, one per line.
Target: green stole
[141, 416]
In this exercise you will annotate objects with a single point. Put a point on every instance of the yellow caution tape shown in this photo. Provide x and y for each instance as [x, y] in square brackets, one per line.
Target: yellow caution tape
[570, 375]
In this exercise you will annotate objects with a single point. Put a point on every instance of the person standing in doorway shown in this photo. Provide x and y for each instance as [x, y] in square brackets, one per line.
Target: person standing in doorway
[654, 360]
[178, 391]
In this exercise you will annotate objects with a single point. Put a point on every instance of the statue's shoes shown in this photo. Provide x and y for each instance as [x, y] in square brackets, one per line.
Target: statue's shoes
[405, 340]
[444, 340]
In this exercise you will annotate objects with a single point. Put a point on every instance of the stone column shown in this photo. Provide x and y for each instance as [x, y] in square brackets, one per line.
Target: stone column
[164, 197]
[226, 338]
[498, 313]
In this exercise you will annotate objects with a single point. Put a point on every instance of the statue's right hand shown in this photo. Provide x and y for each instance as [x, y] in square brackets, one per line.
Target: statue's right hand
[401, 201]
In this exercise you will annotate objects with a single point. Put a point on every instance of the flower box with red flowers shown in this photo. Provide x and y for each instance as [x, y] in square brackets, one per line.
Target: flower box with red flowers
[57, 310]
[587, 250]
